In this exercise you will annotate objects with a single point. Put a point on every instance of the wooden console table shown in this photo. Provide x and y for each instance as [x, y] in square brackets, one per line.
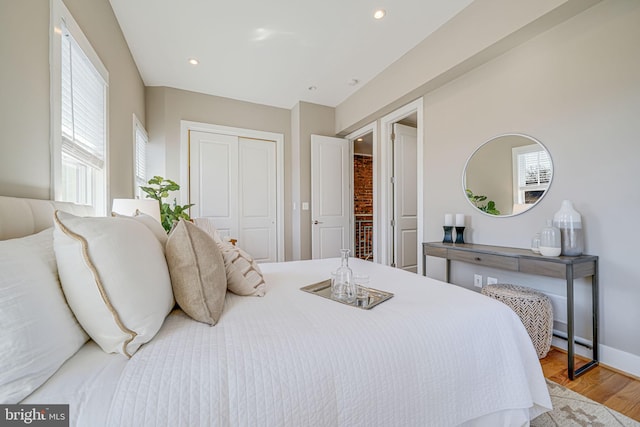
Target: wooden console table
[525, 261]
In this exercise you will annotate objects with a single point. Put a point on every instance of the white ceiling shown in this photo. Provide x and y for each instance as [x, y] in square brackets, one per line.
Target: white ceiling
[271, 52]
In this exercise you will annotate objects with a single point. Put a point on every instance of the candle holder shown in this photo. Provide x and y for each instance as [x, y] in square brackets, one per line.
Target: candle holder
[459, 234]
[448, 234]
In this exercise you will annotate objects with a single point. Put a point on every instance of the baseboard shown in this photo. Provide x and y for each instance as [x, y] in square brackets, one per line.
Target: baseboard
[623, 362]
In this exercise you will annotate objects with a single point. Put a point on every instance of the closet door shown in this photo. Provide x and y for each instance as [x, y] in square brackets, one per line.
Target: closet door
[213, 180]
[257, 198]
[233, 182]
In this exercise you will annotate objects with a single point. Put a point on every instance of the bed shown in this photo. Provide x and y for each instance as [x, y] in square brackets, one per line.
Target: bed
[433, 355]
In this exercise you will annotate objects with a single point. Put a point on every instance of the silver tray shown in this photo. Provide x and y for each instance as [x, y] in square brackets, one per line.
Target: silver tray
[323, 289]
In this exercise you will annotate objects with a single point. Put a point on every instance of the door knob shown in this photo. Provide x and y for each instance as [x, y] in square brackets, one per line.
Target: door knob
[316, 222]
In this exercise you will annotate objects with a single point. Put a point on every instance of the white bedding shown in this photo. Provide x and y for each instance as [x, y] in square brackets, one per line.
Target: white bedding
[86, 382]
[433, 355]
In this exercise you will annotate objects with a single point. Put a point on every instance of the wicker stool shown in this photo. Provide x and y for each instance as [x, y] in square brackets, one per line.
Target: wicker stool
[533, 308]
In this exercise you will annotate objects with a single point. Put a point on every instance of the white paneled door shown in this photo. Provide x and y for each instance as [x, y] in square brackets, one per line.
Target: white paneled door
[330, 196]
[406, 198]
[233, 181]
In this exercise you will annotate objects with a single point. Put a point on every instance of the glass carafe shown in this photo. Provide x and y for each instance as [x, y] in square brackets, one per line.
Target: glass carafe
[550, 240]
[343, 287]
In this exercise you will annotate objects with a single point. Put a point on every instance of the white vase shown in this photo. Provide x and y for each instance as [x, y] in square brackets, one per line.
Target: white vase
[569, 221]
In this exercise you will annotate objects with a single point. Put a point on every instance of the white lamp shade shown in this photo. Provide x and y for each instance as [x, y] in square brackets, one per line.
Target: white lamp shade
[130, 206]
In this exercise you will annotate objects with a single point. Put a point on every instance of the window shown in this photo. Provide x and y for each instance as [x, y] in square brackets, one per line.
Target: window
[532, 173]
[79, 116]
[140, 140]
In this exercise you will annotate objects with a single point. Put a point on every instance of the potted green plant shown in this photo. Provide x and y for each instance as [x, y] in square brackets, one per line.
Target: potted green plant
[159, 189]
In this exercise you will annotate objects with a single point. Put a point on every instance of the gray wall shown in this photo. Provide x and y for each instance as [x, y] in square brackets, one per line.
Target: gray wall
[24, 104]
[25, 164]
[576, 88]
[481, 31]
[308, 119]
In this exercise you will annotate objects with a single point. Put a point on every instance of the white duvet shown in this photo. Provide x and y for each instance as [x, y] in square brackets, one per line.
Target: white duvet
[433, 355]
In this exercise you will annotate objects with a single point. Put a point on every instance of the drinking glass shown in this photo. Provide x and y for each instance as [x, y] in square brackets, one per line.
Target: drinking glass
[362, 289]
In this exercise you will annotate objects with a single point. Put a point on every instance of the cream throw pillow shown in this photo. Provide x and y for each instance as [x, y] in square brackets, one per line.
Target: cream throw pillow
[197, 272]
[115, 277]
[38, 331]
[244, 276]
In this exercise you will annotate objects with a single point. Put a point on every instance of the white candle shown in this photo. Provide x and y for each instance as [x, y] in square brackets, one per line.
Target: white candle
[459, 220]
[448, 220]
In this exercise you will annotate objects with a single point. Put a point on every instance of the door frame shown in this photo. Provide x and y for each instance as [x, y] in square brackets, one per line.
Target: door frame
[186, 126]
[373, 129]
[385, 207]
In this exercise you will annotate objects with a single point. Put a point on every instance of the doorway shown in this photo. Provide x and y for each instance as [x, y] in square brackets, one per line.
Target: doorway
[364, 192]
[363, 206]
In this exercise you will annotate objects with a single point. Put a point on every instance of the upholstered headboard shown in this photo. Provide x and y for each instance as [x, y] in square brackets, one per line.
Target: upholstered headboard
[21, 217]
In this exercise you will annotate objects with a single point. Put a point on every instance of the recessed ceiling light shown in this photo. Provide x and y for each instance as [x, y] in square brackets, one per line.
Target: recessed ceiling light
[312, 88]
[359, 139]
[193, 61]
[379, 14]
[353, 82]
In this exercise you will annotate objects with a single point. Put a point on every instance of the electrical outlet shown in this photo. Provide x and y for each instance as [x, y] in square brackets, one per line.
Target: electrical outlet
[477, 280]
[491, 280]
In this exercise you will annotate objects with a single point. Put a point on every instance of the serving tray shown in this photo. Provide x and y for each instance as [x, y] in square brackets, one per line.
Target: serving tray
[323, 289]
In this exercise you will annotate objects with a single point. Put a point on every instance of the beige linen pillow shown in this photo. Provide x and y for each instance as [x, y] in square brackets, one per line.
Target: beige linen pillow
[115, 278]
[244, 277]
[197, 272]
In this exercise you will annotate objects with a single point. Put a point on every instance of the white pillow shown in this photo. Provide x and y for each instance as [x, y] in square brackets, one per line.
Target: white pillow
[38, 331]
[115, 277]
[150, 222]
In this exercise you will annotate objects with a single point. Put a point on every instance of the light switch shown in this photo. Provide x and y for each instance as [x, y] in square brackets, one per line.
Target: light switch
[305, 206]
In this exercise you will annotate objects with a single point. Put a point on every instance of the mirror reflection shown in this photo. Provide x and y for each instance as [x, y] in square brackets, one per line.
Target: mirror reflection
[507, 175]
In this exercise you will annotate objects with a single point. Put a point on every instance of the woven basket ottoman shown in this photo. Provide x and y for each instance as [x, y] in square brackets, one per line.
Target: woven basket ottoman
[533, 308]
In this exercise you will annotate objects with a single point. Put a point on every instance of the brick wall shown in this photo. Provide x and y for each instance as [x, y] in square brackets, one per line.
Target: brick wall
[363, 205]
[362, 185]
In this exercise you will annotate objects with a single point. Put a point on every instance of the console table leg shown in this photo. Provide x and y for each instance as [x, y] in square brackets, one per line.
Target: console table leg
[447, 277]
[570, 332]
[595, 309]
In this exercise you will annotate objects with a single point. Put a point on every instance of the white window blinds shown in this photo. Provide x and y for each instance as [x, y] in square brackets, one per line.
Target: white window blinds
[83, 111]
[534, 168]
[140, 154]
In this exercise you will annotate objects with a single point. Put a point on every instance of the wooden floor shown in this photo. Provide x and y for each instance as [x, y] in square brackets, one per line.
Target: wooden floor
[614, 390]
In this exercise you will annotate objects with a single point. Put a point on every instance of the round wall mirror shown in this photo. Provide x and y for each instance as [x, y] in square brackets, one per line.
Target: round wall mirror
[507, 175]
